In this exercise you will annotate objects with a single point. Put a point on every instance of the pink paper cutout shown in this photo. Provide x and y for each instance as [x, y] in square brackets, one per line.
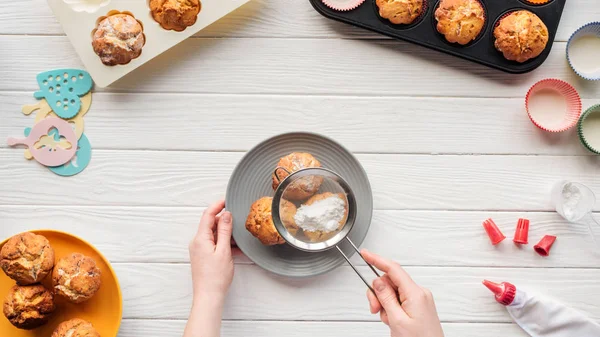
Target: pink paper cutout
[53, 157]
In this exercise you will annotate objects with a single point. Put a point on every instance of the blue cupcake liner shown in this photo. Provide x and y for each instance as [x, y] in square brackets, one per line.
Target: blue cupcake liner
[590, 29]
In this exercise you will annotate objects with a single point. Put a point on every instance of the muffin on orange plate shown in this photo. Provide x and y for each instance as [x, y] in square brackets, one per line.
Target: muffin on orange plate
[28, 307]
[76, 278]
[521, 36]
[401, 11]
[303, 188]
[260, 221]
[118, 39]
[460, 21]
[306, 217]
[27, 258]
[75, 328]
[175, 15]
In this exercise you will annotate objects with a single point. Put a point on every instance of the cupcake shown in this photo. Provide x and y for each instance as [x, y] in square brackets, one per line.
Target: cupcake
[76, 278]
[260, 221]
[27, 258]
[302, 188]
[401, 11]
[521, 36]
[28, 307]
[460, 21]
[75, 328]
[118, 39]
[175, 14]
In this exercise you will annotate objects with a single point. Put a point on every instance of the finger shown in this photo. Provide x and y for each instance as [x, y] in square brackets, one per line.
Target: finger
[398, 275]
[207, 222]
[384, 317]
[374, 305]
[224, 230]
[388, 297]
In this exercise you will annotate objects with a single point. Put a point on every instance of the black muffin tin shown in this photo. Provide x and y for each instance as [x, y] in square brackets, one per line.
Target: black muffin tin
[423, 31]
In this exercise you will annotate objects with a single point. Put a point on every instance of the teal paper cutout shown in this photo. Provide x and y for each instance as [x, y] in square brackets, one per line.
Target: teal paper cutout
[62, 88]
[80, 161]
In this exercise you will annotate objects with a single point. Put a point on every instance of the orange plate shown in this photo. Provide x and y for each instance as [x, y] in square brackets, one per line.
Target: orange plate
[104, 310]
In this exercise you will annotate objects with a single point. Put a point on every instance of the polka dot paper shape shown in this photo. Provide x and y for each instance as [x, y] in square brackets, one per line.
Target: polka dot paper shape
[43, 145]
[62, 89]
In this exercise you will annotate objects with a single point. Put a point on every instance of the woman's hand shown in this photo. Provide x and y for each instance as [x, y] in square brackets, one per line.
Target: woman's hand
[210, 254]
[417, 316]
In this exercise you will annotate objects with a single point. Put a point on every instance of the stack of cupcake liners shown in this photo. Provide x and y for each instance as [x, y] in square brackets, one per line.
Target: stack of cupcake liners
[57, 138]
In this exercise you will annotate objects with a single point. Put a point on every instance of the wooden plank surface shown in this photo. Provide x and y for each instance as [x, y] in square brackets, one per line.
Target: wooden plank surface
[236, 122]
[414, 238]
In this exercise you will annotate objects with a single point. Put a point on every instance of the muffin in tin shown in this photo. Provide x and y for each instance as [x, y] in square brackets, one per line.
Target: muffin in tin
[460, 21]
[28, 307]
[520, 36]
[27, 258]
[401, 12]
[76, 278]
[75, 328]
[118, 39]
[175, 15]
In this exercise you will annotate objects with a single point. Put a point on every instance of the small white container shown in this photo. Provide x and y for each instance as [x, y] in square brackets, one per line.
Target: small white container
[79, 18]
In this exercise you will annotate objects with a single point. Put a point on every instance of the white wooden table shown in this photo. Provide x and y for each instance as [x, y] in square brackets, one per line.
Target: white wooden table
[446, 144]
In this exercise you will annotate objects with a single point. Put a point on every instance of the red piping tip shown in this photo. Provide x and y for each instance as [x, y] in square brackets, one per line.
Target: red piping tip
[522, 232]
[493, 232]
[496, 288]
[505, 292]
[545, 244]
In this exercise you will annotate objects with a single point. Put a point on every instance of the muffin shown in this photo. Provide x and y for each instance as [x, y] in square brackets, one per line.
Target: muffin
[520, 36]
[76, 277]
[460, 21]
[319, 236]
[27, 258]
[75, 328]
[175, 14]
[28, 307]
[401, 11]
[118, 39]
[303, 188]
[260, 221]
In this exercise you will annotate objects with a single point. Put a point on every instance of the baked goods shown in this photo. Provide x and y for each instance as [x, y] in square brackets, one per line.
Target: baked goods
[320, 235]
[118, 39]
[175, 14]
[27, 258]
[401, 11]
[260, 221]
[303, 188]
[460, 21]
[76, 277]
[75, 328]
[520, 36]
[28, 307]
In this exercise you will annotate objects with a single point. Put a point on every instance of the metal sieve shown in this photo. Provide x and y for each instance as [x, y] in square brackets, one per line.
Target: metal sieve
[320, 183]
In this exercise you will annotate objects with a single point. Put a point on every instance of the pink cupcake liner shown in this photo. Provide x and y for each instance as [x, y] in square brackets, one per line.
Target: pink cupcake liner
[343, 5]
[570, 115]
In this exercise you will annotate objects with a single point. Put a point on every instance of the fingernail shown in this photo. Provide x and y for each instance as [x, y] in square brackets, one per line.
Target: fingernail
[226, 217]
[379, 285]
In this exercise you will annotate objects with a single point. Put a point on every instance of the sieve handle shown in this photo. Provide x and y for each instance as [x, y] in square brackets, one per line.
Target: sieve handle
[277, 175]
[354, 267]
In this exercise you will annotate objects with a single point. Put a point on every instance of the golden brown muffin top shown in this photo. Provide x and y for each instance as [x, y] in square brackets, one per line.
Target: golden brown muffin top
[175, 14]
[303, 188]
[460, 21]
[400, 11]
[118, 39]
[76, 277]
[28, 307]
[521, 36]
[75, 328]
[27, 258]
[260, 223]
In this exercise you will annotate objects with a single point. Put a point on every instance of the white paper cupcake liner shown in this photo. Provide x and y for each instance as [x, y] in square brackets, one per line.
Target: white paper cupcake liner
[590, 29]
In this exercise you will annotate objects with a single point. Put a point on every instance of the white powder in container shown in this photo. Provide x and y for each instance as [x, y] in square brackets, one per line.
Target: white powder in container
[323, 215]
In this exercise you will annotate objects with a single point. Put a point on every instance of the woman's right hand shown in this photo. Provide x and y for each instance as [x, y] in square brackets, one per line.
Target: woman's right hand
[416, 316]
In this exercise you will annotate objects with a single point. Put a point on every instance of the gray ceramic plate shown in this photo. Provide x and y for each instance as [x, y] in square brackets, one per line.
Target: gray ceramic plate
[251, 180]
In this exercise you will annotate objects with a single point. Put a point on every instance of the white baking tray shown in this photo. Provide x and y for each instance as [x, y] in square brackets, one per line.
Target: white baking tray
[79, 17]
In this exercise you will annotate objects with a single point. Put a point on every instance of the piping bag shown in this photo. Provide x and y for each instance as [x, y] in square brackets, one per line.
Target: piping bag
[541, 316]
